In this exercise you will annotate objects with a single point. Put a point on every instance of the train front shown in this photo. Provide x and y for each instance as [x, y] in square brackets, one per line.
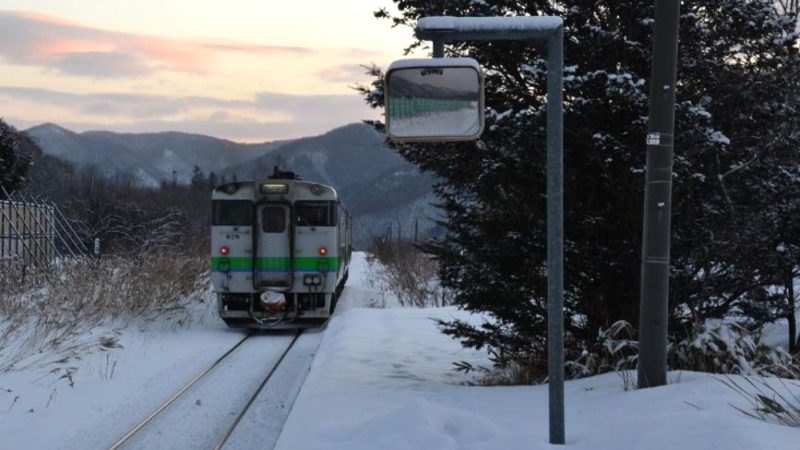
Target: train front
[275, 252]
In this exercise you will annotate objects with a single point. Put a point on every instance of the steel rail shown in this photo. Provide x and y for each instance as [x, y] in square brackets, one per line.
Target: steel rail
[264, 382]
[177, 395]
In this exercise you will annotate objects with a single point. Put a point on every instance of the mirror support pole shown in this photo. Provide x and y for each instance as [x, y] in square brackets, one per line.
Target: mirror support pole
[438, 48]
[548, 30]
[555, 236]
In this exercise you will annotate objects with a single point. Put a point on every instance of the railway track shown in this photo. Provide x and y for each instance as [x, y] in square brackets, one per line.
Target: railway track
[166, 426]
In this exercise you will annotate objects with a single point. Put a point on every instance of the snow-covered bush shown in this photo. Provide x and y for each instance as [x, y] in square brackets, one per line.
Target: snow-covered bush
[79, 309]
[717, 347]
[401, 269]
[615, 350]
[505, 371]
[733, 349]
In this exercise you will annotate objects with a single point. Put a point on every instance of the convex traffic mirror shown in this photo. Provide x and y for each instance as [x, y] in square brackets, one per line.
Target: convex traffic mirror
[434, 100]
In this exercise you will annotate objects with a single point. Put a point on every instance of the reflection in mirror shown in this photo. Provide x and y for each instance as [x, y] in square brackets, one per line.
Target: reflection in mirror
[434, 102]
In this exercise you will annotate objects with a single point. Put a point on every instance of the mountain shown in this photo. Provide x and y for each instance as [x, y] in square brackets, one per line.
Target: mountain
[382, 190]
[151, 157]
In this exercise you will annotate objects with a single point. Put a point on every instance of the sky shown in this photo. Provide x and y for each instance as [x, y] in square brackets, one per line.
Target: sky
[245, 70]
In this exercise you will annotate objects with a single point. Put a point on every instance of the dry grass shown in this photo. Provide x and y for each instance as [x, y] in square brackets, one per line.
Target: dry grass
[403, 270]
[770, 399]
[80, 308]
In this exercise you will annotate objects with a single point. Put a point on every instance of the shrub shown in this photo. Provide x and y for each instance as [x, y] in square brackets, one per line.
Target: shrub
[615, 350]
[402, 269]
[732, 349]
[727, 348]
[79, 309]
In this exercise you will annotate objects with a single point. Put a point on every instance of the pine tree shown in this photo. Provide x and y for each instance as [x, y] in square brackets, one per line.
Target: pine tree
[198, 178]
[15, 157]
[733, 125]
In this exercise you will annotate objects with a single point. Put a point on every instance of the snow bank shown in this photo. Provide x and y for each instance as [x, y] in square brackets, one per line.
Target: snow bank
[383, 379]
[110, 391]
[362, 289]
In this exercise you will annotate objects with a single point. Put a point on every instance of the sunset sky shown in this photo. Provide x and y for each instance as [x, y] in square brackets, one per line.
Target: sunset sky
[246, 70]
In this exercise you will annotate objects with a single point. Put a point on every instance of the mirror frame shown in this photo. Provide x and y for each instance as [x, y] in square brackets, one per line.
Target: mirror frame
[434, 63]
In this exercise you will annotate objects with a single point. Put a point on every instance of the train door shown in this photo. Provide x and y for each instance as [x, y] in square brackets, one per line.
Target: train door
[274, 257]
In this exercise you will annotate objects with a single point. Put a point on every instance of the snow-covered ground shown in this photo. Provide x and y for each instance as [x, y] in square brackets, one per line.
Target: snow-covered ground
[382, 379]
[112, 390]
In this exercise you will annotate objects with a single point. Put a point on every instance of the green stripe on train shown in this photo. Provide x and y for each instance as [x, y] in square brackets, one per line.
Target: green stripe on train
[277, 263]
[402, 107]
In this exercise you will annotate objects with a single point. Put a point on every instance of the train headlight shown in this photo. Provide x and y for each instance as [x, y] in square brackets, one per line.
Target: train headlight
[230, 189]
[224, 251]
[323, 251]
[312, 280]
[274, 188]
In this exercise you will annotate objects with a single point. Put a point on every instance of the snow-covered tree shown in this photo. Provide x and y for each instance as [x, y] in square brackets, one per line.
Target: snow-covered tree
[15, 158]
[735, 157]
[198, 180]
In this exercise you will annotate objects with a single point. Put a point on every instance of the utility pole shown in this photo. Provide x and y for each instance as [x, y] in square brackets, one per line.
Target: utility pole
[654, 299]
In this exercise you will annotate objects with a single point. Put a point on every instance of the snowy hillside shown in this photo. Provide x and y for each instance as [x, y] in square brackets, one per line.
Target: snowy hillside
[151, 157]
[382, 378]
[380, 188]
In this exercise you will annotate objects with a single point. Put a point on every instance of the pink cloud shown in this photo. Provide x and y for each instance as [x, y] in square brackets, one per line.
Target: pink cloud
[345, 73]
[359, 53]
[31, 38]
[244, 120]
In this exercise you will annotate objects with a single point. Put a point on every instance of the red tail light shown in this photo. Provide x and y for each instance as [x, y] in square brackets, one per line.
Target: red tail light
[224, 250]
[323, 251]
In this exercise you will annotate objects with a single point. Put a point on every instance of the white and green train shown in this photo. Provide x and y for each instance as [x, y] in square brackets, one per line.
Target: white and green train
[280, 251]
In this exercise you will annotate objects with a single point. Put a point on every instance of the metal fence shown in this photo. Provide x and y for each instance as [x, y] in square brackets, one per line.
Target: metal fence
[27, 232]
[34, 233]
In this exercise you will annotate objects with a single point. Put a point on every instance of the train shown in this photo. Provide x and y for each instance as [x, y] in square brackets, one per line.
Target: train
[280, 251]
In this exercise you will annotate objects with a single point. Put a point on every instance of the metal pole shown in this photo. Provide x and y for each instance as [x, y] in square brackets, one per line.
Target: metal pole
[438, 48]
[654, 299]
[549, 30]
[555, 235]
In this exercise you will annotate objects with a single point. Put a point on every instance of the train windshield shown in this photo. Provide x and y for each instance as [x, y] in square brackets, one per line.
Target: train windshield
[232, 212]
[273, 219]
[315, 214]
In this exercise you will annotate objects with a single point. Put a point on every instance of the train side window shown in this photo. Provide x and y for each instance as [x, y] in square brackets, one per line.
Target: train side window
[315, 214]
[273, 219]
[232, 212]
